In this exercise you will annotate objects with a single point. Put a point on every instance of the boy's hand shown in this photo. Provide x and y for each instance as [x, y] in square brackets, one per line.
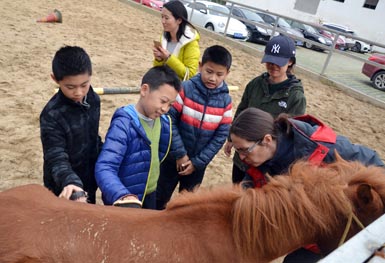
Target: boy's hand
[180, 163]
[69, 189]
[227, 148]
[187, 168]
[131, 201]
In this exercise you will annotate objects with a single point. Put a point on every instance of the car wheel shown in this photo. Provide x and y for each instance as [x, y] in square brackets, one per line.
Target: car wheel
[249, 35]
[210, 27]
[308, 45]
[356, 47]
[379, 80]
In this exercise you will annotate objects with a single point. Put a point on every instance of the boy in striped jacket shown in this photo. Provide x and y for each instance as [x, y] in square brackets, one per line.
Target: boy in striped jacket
[201, 118]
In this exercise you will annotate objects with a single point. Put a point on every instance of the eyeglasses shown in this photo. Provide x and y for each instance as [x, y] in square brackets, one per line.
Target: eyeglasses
[248, 150]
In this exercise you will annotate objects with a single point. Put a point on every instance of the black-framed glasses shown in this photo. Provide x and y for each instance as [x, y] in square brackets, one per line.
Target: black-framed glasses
[247, 150]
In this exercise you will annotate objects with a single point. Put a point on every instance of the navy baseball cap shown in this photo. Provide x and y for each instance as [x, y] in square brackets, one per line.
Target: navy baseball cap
[279, 50]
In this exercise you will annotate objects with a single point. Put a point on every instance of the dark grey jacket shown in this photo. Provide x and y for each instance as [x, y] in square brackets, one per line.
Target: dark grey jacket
[71, 144]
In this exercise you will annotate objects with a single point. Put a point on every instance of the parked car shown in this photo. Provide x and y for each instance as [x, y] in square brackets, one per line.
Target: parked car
[311, 33]
[255, 32]
[376, 74]
[353, 44]
[284, 25]
[155, 4]
[341, 40]
[214, 17]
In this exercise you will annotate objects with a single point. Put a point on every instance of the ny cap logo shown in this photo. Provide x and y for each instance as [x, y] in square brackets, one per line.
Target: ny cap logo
[275, 48]
[282, 104]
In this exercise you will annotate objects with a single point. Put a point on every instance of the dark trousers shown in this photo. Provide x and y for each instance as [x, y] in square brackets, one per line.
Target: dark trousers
[302, 256]
[238, 174]
[169, 179]
[149, 201]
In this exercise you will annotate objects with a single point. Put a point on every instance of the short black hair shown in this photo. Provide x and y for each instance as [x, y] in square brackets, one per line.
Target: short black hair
[218, 55]
[71, 61]
[160, 75]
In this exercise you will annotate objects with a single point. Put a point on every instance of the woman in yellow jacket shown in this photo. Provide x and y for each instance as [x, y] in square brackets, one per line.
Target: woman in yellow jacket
[178, 46]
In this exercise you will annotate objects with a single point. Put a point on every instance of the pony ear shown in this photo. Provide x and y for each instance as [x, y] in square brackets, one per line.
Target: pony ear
[364, 193]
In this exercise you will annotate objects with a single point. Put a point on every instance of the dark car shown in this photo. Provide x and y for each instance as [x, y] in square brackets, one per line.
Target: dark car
[255, 33]
[311, 33]
[283, 25]
[376, 74]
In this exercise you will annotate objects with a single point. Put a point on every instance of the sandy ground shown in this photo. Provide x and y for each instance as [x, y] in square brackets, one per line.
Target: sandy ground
[118, 38]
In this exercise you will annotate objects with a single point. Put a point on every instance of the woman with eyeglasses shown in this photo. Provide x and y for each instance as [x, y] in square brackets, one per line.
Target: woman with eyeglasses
[270, 146]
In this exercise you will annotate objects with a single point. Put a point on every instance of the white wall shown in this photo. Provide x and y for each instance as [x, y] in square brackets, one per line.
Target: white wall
[369, 23]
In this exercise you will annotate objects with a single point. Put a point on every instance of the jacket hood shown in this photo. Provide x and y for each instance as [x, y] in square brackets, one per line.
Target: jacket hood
[293, 82]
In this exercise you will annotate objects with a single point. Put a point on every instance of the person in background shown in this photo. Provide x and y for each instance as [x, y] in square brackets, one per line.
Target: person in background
[137, 141]
[69, 126]
[178, 46]
[270, 146]
[275, 91]
[201, 119]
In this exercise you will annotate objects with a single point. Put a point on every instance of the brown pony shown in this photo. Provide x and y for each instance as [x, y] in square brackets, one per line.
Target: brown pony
[311, 205]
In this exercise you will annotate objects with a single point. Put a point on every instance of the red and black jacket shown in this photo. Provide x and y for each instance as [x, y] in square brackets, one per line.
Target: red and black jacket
[312, 140]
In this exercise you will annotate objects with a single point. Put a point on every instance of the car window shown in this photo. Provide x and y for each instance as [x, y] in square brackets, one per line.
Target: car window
[252, 16]
[283, 23]
[267, 18]
[237, 13]
[218, 10]
[199, 6]
[310, 29]
[295, 24]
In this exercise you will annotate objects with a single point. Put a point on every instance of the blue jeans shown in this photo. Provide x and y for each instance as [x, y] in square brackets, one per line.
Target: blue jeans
[169, 179]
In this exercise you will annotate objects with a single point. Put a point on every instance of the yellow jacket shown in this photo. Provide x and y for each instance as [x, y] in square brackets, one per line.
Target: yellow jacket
[184, 60]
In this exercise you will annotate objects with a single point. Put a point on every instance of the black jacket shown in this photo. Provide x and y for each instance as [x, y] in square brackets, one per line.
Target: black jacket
[71, 144]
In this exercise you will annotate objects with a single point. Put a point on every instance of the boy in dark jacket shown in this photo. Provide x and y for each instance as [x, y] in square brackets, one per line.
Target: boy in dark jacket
[201, 120]
[138, 140]
[69, 126]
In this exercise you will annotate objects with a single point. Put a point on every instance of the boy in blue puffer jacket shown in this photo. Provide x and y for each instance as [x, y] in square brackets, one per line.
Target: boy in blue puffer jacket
[201, 118]
[137, 141]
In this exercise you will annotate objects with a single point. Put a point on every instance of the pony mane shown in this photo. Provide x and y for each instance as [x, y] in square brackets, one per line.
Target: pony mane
[308, 197]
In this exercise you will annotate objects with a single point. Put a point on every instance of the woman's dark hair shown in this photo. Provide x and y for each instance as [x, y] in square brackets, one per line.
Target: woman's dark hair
[290, 69]
[178, 10]
[253, 124]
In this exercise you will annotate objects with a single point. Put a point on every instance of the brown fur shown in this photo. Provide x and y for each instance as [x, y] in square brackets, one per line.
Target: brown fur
[225, 224]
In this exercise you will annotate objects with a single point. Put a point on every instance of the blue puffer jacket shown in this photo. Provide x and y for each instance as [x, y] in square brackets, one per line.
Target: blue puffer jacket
[201, 120]
[125, 160]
